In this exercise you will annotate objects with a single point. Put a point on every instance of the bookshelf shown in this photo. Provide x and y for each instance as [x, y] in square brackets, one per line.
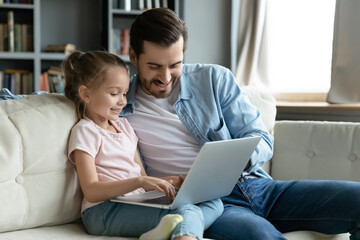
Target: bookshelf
[52, 22]
[86, 24]
[16, 60]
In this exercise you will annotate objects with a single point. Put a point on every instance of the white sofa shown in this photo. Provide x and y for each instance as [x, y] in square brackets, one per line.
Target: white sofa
[40, 196]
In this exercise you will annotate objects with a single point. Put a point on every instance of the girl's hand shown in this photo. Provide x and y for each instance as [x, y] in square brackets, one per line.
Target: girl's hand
[177, 181]
[158, 184]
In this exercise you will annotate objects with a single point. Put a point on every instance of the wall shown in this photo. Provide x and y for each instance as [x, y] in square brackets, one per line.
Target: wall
[208, 23]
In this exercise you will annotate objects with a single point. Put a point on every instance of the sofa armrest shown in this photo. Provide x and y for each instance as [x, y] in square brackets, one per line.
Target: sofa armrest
[316, 150]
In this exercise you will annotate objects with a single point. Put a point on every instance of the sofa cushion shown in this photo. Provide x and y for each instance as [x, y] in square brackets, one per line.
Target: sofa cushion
[310, 235]
[38, 186]
[316, 150]
[73, 231]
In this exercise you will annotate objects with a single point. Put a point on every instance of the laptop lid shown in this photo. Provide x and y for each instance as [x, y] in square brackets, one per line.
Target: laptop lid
[213, 174]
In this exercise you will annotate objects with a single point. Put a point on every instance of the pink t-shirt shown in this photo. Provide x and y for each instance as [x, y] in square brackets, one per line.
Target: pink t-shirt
[113, 152]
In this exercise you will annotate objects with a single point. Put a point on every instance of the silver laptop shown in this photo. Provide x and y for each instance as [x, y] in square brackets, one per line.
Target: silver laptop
[213, 174]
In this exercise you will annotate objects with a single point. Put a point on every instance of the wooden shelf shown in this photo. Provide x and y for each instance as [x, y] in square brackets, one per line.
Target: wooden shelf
[319, 111]
[317, 105]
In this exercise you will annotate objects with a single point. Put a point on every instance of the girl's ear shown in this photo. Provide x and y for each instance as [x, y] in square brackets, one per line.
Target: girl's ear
[132, 55]
[84, 94]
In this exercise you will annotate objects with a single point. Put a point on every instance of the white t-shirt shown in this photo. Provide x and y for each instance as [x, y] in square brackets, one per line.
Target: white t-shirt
[165, 144]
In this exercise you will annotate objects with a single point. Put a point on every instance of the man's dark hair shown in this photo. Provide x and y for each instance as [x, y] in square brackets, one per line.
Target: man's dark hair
[158, 25]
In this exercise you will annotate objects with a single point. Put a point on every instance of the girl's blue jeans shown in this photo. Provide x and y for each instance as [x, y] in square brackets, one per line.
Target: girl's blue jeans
[261, 208]
[126, 220]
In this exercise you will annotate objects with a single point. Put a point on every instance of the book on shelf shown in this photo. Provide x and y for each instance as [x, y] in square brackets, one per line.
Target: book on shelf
[164, 3]
[23, 37]
[141, 4]
[55, 71]
[44, 82]
[11, 40]
[122, 4]
[125, 42]
[61, 48]
[120, 41]
[156, 3]
[1, 79]
[127, 5]
[6, 37]
[27, 38]
[115, 41]
[2, 37]
[18, 81]
[16, 39]
[148, 4]
[27, 83]
[57, 83]
[52, 80]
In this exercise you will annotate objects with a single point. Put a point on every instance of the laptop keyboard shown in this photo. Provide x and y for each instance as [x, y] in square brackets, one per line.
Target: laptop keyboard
[160, 200]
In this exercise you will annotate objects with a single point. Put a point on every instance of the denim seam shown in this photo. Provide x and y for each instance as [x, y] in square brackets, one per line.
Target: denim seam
[181, 232]
[247, 197]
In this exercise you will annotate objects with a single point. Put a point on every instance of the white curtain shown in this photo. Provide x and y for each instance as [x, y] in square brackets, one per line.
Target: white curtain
[345, 75]
[248, 42]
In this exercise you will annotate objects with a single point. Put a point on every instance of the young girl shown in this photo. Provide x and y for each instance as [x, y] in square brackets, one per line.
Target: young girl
[104, 149]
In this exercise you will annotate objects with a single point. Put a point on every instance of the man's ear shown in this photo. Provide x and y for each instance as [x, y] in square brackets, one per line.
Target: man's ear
[132, 55]
[84, 94]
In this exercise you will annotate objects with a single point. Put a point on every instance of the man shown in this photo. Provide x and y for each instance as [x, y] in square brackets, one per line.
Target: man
[175, 108]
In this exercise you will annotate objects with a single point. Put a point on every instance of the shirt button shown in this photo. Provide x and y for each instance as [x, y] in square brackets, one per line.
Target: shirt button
[353, 157]
[311, 154]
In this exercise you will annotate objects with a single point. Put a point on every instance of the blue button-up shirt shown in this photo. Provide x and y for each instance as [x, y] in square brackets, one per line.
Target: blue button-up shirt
[5, 94]
[213, 107]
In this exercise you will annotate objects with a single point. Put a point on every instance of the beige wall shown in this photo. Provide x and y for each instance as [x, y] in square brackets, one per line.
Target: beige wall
[208, 23]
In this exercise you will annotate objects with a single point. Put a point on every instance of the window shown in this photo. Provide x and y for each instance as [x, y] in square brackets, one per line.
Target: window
[300, 34]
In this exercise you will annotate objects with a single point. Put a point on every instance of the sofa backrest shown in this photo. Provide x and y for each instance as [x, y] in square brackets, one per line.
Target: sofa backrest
[316, 150]
[265, 103]
[38, 186]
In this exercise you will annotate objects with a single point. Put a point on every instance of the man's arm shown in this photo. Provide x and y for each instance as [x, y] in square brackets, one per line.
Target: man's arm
[244, 120]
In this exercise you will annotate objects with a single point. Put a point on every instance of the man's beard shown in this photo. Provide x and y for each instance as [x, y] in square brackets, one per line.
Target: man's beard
[160, 93]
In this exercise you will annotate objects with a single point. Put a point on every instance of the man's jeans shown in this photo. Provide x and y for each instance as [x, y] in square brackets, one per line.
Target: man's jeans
[261, 208]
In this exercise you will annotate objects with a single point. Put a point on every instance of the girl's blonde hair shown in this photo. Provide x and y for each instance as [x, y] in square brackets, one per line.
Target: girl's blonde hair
[88, 69]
